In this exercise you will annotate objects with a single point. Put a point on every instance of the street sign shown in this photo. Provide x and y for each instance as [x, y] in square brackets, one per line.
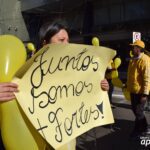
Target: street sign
[136, 36]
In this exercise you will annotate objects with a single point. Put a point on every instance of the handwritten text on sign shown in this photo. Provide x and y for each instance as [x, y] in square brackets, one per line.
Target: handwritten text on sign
[61, 94]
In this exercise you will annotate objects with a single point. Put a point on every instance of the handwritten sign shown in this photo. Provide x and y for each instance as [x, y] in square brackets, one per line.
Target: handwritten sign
[60, 91]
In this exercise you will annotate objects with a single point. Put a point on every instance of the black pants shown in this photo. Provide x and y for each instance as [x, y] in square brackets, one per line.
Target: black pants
[111, 88]
[138, 110]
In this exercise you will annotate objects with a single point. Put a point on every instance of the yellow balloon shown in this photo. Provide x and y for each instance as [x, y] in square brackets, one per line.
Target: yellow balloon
[131, 54]
[126, 94]
[113, 65]
[12, 56]
[95, 41]
[114, 74]
[117, 62]
[16, 130]
[117, 82]
[31, 47]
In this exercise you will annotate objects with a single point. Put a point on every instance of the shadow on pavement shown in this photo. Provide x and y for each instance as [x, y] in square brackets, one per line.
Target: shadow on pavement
[117, 140]
[127, 106]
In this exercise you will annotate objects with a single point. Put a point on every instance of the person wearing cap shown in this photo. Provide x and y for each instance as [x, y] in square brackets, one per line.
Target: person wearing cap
[138, 84]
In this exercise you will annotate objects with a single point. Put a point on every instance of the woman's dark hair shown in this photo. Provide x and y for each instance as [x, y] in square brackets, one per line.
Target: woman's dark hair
[48, 30]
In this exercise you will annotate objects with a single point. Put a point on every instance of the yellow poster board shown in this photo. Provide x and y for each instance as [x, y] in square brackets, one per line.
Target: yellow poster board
[60, 92]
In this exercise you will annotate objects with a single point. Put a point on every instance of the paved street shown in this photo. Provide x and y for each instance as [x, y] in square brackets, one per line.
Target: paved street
[118, 138]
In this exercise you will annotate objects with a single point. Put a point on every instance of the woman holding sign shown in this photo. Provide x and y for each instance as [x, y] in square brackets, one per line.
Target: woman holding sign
[55, 32]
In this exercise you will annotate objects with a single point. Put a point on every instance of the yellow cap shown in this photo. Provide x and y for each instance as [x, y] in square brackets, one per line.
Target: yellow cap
[139, 43]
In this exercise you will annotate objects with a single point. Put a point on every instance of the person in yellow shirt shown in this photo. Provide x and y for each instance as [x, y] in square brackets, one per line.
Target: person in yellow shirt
[138, 84]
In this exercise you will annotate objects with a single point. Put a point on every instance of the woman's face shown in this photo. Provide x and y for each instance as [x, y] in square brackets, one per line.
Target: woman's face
[60, 37]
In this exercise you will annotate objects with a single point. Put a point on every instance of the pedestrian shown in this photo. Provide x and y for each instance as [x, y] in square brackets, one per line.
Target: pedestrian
[138, 84]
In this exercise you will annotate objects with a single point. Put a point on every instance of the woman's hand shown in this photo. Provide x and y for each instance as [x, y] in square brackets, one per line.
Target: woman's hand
[104, 85]
[7, 91]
